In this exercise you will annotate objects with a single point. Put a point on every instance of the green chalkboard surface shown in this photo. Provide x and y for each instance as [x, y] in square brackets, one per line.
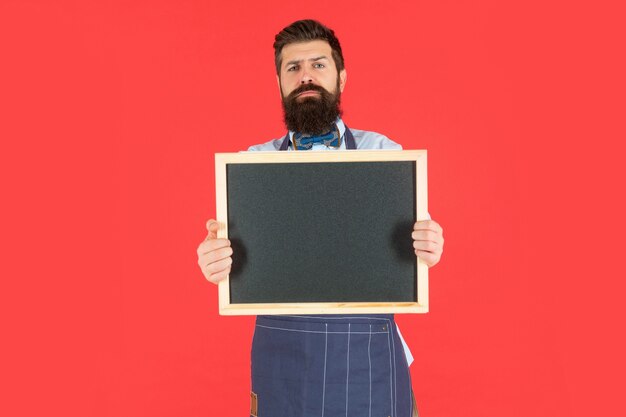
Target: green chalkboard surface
[322, 232]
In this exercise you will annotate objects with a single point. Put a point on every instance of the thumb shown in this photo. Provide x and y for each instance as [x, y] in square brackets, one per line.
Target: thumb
[212, 226]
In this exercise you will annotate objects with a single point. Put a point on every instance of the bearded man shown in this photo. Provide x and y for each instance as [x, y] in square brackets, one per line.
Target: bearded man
[327, 365]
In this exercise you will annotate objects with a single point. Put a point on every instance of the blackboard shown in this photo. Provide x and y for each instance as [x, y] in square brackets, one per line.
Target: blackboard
[322, 232]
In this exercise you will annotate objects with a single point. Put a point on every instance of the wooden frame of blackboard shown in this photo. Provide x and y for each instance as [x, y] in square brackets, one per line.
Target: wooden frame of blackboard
[419, 157]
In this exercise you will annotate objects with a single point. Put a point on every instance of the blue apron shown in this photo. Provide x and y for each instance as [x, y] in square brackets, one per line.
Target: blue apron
[329, 365]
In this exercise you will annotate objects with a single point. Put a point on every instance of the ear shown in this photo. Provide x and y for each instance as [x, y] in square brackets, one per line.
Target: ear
[343, 77]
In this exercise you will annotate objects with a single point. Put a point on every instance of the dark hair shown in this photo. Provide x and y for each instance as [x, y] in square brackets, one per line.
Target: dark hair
[305, 31]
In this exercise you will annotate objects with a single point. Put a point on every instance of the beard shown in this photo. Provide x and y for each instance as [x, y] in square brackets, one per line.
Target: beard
[312, 115]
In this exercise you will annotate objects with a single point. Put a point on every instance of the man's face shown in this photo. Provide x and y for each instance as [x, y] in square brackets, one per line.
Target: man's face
[309, 62]
[310, 86]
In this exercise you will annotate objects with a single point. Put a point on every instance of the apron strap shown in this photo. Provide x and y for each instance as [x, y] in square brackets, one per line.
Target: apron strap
[285, 145]
[350, 143]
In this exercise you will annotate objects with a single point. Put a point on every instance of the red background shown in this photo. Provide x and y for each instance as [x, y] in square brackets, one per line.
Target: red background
[112, 111]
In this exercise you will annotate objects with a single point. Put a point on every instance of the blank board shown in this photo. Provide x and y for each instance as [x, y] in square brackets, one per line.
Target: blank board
[322, 232]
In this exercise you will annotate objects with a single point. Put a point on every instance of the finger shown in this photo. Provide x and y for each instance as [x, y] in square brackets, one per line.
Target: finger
[219, 276]
[429, 258]
[218, 266]
[214, 256]
[428, 225]
[426, 235]
[427, 246]
[219, 254]
[211, 245]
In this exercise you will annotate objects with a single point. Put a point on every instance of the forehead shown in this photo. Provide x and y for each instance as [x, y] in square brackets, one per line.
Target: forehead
[306, 50]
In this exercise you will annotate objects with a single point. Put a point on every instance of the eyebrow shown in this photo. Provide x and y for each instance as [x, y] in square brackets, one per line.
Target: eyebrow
[297, 61]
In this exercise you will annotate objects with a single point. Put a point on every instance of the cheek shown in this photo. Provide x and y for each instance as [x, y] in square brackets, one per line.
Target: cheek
[286, 87]
[284, 91]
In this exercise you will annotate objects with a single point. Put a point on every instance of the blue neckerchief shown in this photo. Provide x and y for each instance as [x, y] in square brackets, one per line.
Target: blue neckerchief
[349, 138]
[304, 143]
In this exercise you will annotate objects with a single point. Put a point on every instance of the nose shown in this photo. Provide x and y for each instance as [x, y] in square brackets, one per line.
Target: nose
[306, 77]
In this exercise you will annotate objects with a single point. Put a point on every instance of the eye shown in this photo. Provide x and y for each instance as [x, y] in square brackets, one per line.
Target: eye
[293, 68]
[318, 65]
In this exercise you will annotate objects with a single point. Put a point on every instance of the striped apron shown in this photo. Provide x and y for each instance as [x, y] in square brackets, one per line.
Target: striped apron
[352, 366]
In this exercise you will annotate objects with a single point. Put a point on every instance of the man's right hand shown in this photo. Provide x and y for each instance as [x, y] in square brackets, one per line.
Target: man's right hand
[214, 255]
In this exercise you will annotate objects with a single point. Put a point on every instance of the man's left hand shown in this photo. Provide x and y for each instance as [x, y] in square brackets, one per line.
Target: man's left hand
[428, 241]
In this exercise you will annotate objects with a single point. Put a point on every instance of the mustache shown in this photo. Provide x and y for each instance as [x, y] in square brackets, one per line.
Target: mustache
[307, 87]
